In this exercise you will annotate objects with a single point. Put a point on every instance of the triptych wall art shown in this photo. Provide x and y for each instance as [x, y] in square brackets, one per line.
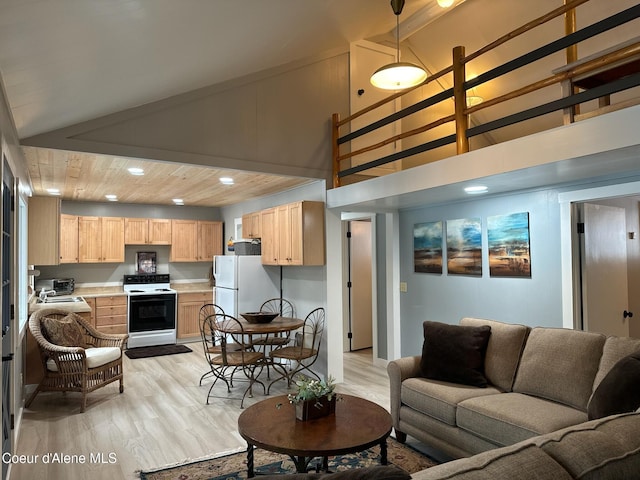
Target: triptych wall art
[507, 240]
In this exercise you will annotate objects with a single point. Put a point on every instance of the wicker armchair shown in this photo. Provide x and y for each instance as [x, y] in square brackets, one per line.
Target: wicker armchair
[94, 363]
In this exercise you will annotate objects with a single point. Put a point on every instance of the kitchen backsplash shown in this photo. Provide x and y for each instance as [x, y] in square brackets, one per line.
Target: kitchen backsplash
[112, 273]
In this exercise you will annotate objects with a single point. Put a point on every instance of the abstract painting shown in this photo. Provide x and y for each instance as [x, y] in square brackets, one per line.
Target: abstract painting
[427, 247]
[464, 247]
[509, 254]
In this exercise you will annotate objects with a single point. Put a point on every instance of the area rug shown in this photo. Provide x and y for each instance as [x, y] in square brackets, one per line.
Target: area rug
[156, 351]
[234, 466]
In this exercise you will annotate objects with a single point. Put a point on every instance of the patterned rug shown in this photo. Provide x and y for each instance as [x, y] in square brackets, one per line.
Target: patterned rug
[234, 466]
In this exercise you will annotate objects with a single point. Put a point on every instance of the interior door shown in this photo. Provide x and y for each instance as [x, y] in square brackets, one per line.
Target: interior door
[7, 309]
[360, 296]
[604, 270]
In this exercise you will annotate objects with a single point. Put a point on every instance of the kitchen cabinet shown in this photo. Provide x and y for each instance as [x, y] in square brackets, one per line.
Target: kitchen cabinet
[189, 305]
[251, 223]
[68, 238]
[209, 240]
[147, 231]
[195, 240]
[269, 242]
[44, 231]
[293, 234]
[111, 314]
[101, 239]
[90, 316]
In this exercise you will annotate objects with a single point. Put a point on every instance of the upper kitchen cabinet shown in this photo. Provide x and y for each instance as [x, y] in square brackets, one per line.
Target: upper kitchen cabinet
[251, 225]
[293, 234]
[68, 238]
[44, 231]
[195, 240]
[147, 231]
[101, 239]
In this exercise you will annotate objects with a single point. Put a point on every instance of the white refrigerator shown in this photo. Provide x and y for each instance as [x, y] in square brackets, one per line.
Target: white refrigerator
[243, 283]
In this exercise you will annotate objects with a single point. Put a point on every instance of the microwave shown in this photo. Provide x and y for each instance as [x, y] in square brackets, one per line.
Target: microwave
[62, 286]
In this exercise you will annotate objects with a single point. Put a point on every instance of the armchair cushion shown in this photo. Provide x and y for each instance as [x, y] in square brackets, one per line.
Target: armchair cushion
[64, 332]
[96, 357]
[454, 353]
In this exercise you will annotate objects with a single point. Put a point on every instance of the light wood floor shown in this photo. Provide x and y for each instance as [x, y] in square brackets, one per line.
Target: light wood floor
[160, 419]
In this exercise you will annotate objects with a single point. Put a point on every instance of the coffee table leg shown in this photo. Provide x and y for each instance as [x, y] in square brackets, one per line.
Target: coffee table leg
[250, 449]
[383, 452]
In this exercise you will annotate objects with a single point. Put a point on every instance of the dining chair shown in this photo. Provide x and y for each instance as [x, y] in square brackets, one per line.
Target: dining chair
[225, 329]
[284, 308]
[304, 352]
[210, 347]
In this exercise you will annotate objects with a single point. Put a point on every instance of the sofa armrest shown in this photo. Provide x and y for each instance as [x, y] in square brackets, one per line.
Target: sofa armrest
[398, 371]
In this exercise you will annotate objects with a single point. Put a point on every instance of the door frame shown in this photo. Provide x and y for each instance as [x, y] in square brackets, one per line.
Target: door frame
[346, 218]
[568, 240]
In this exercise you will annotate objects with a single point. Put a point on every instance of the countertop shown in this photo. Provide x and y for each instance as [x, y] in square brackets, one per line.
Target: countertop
[79, 307]
[195, 287]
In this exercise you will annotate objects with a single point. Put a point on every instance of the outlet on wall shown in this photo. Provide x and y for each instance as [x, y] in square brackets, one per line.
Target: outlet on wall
[403, 287]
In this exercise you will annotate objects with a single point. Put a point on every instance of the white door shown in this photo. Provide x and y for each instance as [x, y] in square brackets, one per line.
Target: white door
[226, 298]
[361, 285]
[225, 271]
[604, 270]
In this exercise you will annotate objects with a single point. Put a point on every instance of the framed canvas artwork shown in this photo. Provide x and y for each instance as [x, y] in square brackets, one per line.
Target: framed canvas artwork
[509, 249]
[427, 247]
[464, 247]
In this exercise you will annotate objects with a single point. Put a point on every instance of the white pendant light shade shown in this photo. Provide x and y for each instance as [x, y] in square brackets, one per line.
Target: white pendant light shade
[397, 76]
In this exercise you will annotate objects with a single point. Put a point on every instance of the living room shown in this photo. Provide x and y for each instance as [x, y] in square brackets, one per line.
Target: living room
[448, 298]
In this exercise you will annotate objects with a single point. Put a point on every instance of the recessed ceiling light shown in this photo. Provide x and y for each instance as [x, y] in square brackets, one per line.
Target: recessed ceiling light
[178, 201]
[445, 3]
[226, 180]
[136, 171]
[475, 189]
[53, 191]
[111, 197]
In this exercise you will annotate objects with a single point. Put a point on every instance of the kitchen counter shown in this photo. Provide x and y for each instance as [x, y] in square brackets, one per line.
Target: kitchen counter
[194, 287]
[76, 307]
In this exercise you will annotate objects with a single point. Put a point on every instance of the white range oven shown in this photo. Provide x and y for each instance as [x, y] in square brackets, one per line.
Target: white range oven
[151, 310]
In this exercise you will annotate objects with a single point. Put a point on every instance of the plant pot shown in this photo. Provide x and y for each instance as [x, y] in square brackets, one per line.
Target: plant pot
[311, 409]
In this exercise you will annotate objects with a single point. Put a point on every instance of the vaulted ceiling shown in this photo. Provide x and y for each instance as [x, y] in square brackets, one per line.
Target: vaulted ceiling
[70, 61]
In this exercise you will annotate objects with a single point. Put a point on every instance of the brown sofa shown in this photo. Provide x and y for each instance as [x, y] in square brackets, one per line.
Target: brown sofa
[540, 381]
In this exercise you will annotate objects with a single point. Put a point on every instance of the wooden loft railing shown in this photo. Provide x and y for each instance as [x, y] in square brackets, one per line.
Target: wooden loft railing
[595, 77]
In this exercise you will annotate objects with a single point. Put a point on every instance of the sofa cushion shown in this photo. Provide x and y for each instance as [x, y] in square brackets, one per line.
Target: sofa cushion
[619, 391]
[503, 350]
[454, 353]
[615, 349]
[509, 418]
[64, 331]
[439, 399]
[560, 365]
[522, 462]
[608, 448]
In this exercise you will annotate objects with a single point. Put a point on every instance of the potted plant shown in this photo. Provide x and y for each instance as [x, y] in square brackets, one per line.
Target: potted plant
[314, 398]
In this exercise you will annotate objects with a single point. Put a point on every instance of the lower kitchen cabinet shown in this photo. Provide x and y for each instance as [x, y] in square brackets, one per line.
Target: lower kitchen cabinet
[111, 314]
[90, 316]
[189, 305]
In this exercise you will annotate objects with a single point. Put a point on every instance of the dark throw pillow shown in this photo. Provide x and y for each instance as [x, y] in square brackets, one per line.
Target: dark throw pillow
[454, 353]
[619, 390]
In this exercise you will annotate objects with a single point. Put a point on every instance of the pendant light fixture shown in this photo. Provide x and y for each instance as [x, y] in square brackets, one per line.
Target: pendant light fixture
[398, 75]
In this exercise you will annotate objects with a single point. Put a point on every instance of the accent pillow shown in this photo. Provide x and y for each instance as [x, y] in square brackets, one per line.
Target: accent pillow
[62, 331]
[619, 390]
[454, 353]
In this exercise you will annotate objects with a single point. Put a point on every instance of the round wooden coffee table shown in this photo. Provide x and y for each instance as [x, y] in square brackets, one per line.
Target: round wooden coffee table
[356, 425]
